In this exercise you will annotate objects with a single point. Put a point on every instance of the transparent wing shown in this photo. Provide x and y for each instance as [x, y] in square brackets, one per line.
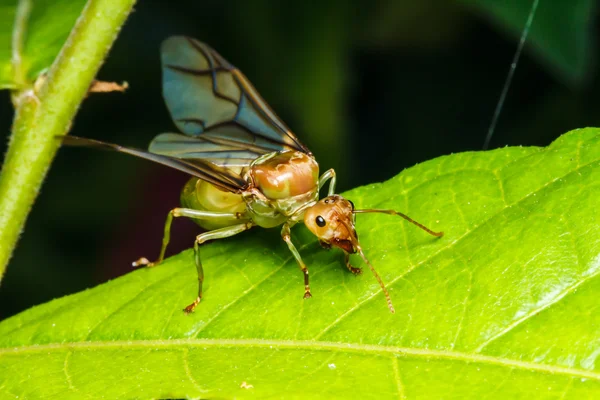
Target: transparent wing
[213, 103]
[217, 149]
[205, 170]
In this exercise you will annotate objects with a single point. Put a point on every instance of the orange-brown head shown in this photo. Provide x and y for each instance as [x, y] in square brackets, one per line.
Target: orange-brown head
[332, 221]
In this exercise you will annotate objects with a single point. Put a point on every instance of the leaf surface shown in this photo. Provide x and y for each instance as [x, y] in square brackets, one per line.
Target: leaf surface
[42, 26]
[503, 306]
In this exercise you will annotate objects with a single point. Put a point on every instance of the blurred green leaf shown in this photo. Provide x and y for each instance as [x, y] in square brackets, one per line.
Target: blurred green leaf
[7, 17]
[561, 33]
[503, 306]
[43, 33]
[393, 23]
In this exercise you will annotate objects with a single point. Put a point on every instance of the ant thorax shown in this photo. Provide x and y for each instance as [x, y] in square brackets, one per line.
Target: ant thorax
[282, 175]
[282, 184]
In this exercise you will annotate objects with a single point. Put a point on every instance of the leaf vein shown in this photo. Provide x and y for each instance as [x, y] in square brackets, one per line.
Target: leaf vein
[66, 371]
[188, 371]
[533, 312]
[244, 293]
[397, 378]
[128, 302]
[451, 245]
[277, 345]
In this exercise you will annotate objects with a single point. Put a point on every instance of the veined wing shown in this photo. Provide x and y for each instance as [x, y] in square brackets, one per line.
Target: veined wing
[207, 171]
[218, 149]
[226, 146]
[212, 101]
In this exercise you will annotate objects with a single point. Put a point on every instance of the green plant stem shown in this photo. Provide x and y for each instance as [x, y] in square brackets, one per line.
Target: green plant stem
[41, 116]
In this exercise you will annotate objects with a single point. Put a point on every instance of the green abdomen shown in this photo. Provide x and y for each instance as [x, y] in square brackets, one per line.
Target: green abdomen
[200, 195]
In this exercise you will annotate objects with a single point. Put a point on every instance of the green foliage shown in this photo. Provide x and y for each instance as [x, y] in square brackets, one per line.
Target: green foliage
[503, 306]
[46, 110]
[564, 47]
[560, 34]
[43, 31]
[7, 17]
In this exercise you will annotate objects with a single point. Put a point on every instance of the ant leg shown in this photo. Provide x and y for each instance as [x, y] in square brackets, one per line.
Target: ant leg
[329, 174]
[189, 213]
[354, 270]
[285, 234]
[220, 233]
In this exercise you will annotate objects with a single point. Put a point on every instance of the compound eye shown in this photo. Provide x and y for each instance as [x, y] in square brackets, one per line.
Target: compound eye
[320, 221]
[351, 204]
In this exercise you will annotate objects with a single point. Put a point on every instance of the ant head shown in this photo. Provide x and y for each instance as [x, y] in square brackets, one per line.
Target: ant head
[332, 221]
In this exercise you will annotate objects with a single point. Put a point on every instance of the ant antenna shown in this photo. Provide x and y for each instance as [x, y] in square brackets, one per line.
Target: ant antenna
[385, 292]
[511, 73]
[406, 217]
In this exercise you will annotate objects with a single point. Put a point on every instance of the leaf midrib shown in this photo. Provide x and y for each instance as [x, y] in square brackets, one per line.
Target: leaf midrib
[394, 351]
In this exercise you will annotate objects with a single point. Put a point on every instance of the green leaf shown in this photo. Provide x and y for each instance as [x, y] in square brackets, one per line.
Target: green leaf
[43, 26]
[503, 306]
[561, 33]
[7, 17]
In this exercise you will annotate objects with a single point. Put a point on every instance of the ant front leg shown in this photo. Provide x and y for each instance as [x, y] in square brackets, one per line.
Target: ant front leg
[211, 235]
[189, 213]
[285, 234]
[329, 174]
[354, 270]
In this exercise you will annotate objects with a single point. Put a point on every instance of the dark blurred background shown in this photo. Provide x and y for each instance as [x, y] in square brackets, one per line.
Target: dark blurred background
[372, 87]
